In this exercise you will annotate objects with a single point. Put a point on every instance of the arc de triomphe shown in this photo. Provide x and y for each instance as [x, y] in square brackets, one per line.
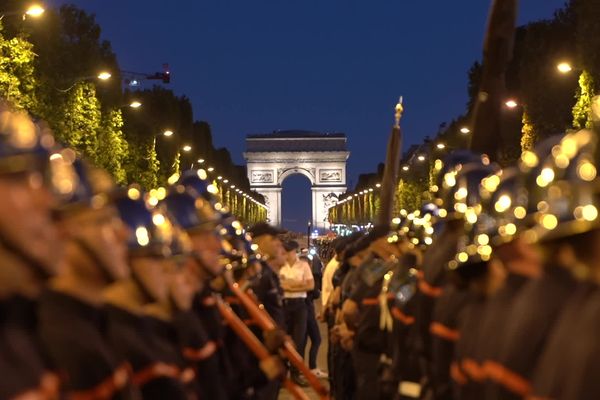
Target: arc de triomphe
[321, 157]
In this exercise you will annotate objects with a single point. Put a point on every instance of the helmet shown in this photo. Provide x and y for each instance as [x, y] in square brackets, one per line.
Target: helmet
[570, 186]
[150, 230]
[24, 145]
[197, 181]
[189, 210]
[464, 199]
[77, 184]
[504, 200]
[444, 175]
[473, 247]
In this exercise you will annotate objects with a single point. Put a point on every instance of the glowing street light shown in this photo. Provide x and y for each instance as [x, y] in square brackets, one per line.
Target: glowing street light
[441, 146]
[135, 104]
[104, 75]
[465, 130]
[168, 133]
[35, 11]
[421, 158]
[201, 161]
[564, 68]
[187, 147]
[210, 169]
[405, 168]
[510, 103]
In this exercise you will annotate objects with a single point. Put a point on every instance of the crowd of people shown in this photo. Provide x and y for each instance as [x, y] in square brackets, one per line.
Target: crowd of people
[107, 292]
[489, 291]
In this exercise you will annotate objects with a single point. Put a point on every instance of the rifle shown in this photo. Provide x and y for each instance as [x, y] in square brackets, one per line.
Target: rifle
[497, 53]
[390, 171]
[266, 323]
[256, 347]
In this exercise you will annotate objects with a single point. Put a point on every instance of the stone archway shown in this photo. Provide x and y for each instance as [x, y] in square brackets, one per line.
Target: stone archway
[321, 157]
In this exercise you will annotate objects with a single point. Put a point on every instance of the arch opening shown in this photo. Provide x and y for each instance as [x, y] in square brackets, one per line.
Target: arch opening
[296, 202]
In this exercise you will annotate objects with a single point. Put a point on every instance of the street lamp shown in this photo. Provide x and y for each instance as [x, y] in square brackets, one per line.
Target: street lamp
[168, 133]
[441, 146]
[210, 169]
[464, 130]
[34, 11]
[186, 148]
[405, 168]
[135, 104]
[200, 161]
[421, 157]
[511, 103]
[104, 76]
[564, 67]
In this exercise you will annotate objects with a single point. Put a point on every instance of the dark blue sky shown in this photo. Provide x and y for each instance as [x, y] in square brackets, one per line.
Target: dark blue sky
[323, 65]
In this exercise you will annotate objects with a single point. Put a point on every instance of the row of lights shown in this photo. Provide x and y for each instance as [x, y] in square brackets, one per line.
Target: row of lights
[225, 181]
[362, 192]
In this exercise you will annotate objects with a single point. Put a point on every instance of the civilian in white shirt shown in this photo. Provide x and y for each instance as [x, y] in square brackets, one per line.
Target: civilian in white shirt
[296, 280]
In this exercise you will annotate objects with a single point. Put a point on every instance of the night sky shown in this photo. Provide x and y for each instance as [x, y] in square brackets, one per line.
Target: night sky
[323, 65]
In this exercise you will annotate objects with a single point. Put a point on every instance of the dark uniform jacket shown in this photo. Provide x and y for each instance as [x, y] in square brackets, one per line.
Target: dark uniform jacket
[444, 335]
[22, 368]
[468, 358]
[269, 292]
[495, 318]
[534, 313]
[580, 373]
[157, 370]
[560, 357]
[71, 332]
[200, 352]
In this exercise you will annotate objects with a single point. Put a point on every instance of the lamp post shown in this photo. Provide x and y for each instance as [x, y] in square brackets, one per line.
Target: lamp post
[309, 232]
[33, 11]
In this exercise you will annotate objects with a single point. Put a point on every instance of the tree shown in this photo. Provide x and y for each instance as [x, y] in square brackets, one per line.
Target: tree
[17, 73]
[112, 147]
[585, 94]
[527, 133]
[80, 122]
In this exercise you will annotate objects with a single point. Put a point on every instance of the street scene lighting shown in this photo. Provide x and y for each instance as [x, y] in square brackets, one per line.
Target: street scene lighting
[511, 103]
[200, 161]
[441, 146]
[564, 68]
[421, 158]
[187, 147]
[405, 168]
[135, 104]
[168, 133]
[464, 130]
[35, 11]
[210, 169]
[104, 75]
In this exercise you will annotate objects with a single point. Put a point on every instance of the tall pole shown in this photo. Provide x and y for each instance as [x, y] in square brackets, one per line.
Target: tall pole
[497, 53]
[390, 171]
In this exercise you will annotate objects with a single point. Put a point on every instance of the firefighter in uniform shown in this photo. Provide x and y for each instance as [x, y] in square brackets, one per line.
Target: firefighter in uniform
[138, 330]
[28, 253]
[71, 315]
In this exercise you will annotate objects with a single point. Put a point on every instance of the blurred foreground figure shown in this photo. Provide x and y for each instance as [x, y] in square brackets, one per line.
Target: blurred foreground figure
[29, 251]
[71, 312]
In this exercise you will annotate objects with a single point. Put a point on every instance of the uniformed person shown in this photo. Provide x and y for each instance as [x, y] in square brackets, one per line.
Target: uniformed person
[28, 252]
[449, 302]
[362, 313]
[538, 304]
[432, 278]
[139, 329]
[196, 215]
[71, 314]
[564, 370]
[268, 289]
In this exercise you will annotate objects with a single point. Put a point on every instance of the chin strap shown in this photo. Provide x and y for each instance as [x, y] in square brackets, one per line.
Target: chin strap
[95, 259]
[147, 295]
[28, 260]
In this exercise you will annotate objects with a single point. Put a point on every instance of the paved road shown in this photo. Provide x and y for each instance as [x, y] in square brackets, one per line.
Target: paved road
[321, 358]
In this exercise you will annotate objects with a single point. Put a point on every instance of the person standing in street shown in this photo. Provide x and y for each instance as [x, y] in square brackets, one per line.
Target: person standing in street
[296, 280]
